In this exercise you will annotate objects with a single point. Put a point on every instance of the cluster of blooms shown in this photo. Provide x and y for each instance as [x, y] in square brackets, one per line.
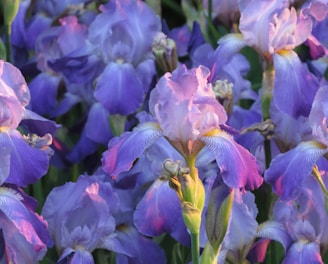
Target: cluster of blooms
[146, 141]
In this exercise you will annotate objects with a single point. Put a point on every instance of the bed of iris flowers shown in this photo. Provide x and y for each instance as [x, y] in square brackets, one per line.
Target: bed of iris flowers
[163, 131]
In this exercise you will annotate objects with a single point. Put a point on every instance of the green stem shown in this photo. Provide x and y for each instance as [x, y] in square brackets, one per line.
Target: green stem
[195, 248]
[8, 42]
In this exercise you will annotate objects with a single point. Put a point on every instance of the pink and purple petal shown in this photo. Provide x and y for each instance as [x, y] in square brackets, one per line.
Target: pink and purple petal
[124, 150]
[159, 212]
[288, 170]
[27, 164]
[238, 166]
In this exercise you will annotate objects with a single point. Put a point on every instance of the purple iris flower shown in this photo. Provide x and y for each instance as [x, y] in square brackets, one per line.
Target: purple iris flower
[122, 35]
[88, 221]
[242, 228]
[231, 70]
[85, 221]
[288, 171]
[274, 33]
[300, 225]
[24, 158]
[189, 117]
[64, 56]
[23, 233]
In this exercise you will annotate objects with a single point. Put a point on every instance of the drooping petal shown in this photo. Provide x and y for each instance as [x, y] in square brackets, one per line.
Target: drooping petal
[27, 164]
[303, 252]
[124, 150]
[119, 89]
[159, 212]
[13, 78]
[258, 251]
[71, 256]
[238, 166]
[44, 89]
[130, 245]
[5, 151]
[294, 86]
[85, 219]
[288, 170]
[98, 118]
[242, 226]
[34, 123]
[84, 147]
[229, 45]
[24, 231]
[275, 231]
[318, 115]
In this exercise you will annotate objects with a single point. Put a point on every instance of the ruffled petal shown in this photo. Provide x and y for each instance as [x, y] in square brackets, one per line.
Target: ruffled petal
[229, 45]
[124, 150]
[25, 232]
[242, 227]
[13, 78]
[238, 166]
[288, 170]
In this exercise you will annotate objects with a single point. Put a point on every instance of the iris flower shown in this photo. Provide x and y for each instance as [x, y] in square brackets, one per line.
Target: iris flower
[187, 114]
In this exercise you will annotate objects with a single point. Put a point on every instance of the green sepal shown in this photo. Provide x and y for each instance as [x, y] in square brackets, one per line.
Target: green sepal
[192, 217]
[3, 51]
[218, 215]
[9, 10]
[209, 256]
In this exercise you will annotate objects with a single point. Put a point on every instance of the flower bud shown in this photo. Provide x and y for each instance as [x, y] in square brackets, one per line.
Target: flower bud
[224, 94]
[218, 213]
[165, 52]
[9, 10]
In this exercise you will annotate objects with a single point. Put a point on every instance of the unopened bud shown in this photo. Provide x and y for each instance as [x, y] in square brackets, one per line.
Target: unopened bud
[224, 94]
[165, 52]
